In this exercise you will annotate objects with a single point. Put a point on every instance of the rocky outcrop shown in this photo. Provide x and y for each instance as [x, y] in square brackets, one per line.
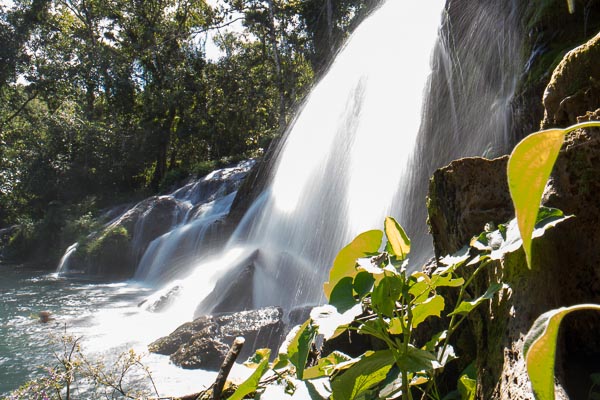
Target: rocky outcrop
[468, 193]
[208, 198]
[463, 197]
[549, 32]
[574, 87]
[203, 343]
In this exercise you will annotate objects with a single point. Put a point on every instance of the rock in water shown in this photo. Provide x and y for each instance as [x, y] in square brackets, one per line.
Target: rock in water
[203, 343]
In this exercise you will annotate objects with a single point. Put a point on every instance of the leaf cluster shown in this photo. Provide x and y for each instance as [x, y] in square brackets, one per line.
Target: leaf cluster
[371, 292]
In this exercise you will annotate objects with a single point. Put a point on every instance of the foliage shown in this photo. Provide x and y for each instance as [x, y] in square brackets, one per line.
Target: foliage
[372, 293]
[75, 376]
[529, 168]
[100, 98]
[114, 238]
[540, 347]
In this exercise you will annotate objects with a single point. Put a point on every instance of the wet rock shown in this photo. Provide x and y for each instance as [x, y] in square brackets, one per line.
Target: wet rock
[203, 343]
[233, 291]
[205, 353]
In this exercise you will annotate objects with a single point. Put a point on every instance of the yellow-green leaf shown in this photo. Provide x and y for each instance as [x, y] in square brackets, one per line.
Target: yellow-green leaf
[529, 168]
[367, 372]
[571, 4]
[432, 307]
[397, 238]
[251, 384]
[345, 262]
[528, 171]
[539, 349]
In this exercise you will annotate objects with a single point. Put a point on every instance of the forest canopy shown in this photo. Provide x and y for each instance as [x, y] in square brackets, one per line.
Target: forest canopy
[103, 98]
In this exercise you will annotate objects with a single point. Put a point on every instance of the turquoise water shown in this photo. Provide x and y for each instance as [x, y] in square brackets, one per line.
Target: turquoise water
[106, 316]
[26, 344]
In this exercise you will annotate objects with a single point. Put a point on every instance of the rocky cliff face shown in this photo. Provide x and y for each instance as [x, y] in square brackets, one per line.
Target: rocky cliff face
[566, 261]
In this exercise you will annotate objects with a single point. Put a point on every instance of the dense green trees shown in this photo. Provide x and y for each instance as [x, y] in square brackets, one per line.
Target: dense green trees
[102, 98]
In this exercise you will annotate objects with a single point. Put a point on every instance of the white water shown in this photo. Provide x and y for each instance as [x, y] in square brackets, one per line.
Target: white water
[341, 164]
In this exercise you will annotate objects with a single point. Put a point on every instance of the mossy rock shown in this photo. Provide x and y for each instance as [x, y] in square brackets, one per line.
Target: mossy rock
[108, 255]
[574, 87]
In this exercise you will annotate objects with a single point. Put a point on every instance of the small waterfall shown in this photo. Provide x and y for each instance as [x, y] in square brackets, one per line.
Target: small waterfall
[63, 265]
[204, 203]
[168, 232]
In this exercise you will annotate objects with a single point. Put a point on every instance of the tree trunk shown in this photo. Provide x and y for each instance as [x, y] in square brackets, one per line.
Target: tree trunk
[278, 68]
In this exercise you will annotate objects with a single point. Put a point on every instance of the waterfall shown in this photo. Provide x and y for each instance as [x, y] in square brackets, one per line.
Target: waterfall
[417, 85]
[402, 98]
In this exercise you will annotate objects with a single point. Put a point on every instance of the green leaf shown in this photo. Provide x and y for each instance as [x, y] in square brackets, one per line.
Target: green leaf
[465, 307]
[397, 238]
[417, 360]
[258, 357]
[467, 384]
[299, 347]
[446, 281]
[433, 306]
[363, 283]
[385, 295]
[363, 375]
[539, 349]
[342, 295]
[344, 264]
[326, 366]
[467, 388]
[571, 4]
[251, 384]
[528, 170]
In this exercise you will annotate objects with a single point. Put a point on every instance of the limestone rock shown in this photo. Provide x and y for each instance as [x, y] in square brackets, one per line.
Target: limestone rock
[566, 267]
[574, 87]
[203, 343]
[463, 197]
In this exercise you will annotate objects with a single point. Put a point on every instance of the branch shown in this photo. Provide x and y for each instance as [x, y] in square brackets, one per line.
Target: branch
[233, 353]
[16, 113]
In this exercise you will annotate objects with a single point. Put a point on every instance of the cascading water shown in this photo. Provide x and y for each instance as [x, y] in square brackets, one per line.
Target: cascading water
[366, 142]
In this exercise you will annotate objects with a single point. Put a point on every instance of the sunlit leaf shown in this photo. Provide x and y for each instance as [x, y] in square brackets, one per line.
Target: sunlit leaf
[417, 360]
[344, 264]
[528, 170]
[299, 347]
[331, 322]
[397, 238]
[363, 375]
[326, 366]
[430, 308]
[342, 295]
[251, 384]
[396, 326]
[539, 349]
[466, 307]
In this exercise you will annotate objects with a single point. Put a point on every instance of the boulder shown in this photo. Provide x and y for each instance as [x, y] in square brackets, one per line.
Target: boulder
[203, 343]
[574, 87]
